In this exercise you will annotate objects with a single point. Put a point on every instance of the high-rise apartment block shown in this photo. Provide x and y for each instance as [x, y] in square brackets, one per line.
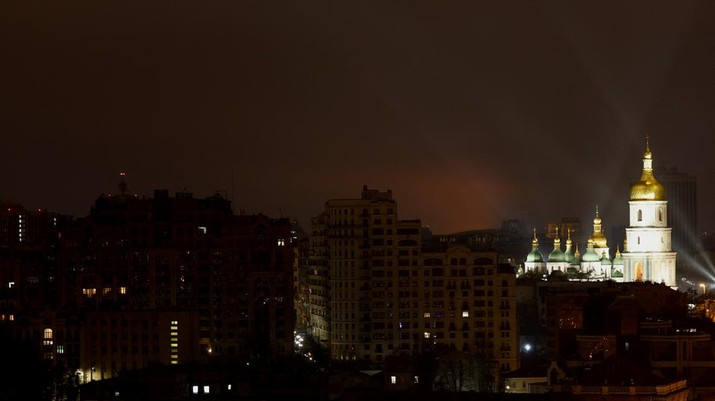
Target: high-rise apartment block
[378, 288]
[681, 189]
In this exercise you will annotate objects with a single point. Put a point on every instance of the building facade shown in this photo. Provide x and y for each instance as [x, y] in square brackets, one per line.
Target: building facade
[682, 209]
[168, 279]
[378, 288]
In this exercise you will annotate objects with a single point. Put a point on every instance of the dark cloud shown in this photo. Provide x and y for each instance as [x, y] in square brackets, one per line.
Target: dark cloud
[471, 112]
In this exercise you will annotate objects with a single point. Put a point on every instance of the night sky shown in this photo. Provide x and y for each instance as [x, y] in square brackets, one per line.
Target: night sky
[471, 112]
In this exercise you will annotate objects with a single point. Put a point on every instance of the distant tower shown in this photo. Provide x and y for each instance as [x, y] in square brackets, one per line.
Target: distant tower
[682, 202]
[123, 189]
[647, 254]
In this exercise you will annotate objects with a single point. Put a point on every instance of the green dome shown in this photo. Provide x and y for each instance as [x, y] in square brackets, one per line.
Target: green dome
[605, 261]
[557, 255]
[590, 256]
[535, 256]
[568, 257]
[618, 260]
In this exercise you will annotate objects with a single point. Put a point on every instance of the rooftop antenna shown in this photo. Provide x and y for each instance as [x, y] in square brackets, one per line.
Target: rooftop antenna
[122, 185]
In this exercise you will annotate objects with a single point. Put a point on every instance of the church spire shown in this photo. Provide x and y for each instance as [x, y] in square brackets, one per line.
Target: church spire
[557, 239]
[599, 240]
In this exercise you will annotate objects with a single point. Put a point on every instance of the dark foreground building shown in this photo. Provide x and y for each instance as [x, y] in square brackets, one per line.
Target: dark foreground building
[140, 281]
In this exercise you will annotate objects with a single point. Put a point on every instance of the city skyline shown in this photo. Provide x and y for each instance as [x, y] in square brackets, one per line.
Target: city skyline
[470, 114]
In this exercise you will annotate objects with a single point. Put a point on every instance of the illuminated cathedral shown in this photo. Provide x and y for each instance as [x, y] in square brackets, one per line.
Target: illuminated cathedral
[647, 253]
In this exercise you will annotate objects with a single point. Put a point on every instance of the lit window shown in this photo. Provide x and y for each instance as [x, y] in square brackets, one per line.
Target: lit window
[281, 242]
[416, 380]
[202, 229]
[106, 290]
[122, 290]
[60, 349]
[11, 284]
[195, 389]
[393, 379]
[47, 336]
[427, 334]
[465, 313]
[427, 314]
[206, 389]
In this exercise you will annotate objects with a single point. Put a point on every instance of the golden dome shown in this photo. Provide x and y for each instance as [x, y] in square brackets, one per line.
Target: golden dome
[647, 188]
[599, 240]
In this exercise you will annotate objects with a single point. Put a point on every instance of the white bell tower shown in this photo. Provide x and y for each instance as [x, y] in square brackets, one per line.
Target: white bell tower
[647, 252]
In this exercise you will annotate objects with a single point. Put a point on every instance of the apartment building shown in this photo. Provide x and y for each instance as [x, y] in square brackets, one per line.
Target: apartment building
[166, 279]
[377, 288]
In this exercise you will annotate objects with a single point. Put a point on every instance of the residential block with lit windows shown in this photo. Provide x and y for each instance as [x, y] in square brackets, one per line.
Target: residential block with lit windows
[168, 279]
[378, 288]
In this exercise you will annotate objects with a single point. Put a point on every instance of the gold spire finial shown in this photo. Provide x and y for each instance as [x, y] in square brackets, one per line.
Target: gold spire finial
[648, 154]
